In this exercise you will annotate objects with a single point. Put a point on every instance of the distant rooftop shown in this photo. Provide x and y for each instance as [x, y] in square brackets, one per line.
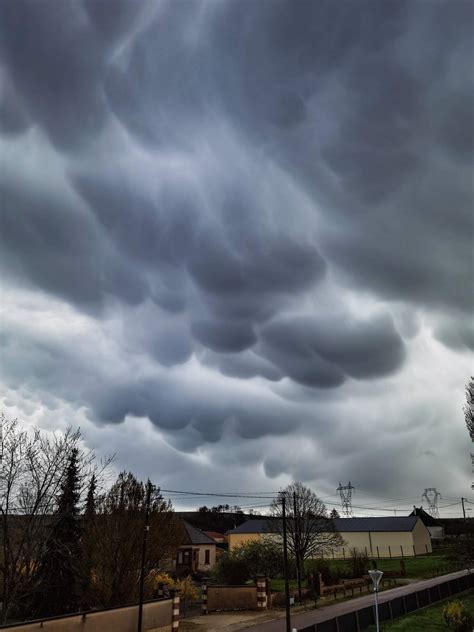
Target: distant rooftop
[196, 536]
[344, 525]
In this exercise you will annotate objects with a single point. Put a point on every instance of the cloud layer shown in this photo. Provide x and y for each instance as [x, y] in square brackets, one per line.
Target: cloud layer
[250, 227]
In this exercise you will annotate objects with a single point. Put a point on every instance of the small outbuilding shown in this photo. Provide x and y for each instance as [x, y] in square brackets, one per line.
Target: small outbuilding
[435, 529]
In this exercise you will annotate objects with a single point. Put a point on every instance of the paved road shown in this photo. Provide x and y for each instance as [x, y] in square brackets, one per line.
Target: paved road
[328, 612]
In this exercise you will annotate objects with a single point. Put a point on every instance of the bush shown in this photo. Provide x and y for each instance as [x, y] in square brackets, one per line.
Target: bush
[230, 569]
[248, 561]
[358, 563]
[323, 567]
[457, 617]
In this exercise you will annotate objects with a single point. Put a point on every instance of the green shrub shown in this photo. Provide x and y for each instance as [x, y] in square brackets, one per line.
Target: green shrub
[230, 569]
[358, 563]
[323, 567]
[456, 617]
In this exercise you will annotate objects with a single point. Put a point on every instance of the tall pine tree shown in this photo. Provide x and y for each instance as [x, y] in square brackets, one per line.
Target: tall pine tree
[88, 545]
[60, 569]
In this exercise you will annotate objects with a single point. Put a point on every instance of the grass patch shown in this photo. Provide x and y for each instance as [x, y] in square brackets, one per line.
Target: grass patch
[278, 585]
[422, 567]
[428, 619]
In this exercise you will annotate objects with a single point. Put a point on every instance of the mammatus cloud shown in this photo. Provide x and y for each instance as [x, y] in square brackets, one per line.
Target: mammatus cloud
[240, 225]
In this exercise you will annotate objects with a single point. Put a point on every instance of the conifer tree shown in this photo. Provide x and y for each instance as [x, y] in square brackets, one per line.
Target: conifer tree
[90, 508]
[59, 574]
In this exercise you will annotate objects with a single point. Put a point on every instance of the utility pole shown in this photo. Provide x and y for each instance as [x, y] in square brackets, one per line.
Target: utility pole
[463, 508]
[285, 564]
[145, 540]
[297, 546]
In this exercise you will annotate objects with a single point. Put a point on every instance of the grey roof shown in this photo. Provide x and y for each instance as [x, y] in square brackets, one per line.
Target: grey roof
[384, 523]
[347, 525]
[196, 536]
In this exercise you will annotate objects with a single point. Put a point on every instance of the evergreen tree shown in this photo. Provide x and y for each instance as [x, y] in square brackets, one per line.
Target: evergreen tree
[88, 544]
[90, 508]
[59, 574]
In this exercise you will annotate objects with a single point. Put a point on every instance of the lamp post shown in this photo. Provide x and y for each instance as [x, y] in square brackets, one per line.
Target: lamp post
[376, 576]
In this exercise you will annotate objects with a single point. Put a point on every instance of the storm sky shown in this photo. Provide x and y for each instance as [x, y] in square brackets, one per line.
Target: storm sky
[236, 238]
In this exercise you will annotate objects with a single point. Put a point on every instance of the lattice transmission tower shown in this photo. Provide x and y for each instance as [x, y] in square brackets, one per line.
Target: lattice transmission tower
[345, 492]
[472, 463]
[432, 495]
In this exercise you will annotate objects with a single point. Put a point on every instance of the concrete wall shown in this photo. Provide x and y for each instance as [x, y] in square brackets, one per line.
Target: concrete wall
[421, 538]
[156, 618]
[231, 598]
[202, 556]
[236, 539]
[436, 533]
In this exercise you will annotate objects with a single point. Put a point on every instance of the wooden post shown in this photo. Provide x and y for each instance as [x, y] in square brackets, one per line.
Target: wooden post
[401, 549]
[378, 554]
[285, 564]
[390, 551]
[144, 551]
[414, 551]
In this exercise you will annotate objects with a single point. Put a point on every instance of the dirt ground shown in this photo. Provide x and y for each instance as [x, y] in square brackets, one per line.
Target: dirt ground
[230, 621]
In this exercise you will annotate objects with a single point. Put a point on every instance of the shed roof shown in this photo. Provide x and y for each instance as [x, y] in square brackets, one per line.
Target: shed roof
[344, 525]
[425, 517]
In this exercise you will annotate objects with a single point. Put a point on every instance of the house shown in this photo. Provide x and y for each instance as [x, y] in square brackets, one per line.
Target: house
[388, 536]
[219, 538]
[197, 551]
[435, 529]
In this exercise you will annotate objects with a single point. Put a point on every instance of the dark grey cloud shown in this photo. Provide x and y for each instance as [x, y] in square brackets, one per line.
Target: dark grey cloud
[322, 352]
[252, 216]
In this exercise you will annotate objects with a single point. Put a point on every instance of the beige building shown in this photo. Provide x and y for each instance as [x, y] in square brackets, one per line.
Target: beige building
[392, 536]
[197, 551]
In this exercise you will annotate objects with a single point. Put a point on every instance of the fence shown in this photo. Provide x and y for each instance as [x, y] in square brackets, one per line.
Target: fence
[245, 597]
[379, 551]
[359, 620]
[160, 615]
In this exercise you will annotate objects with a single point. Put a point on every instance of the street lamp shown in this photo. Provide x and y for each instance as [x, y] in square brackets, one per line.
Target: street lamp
[376, 576]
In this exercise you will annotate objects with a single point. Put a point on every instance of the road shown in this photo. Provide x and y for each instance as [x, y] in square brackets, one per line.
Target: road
[328, 612]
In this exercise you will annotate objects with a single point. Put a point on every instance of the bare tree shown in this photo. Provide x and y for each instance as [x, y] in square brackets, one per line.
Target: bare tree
[310, 530]
[32, 467]
[113, 540]
[311, 533]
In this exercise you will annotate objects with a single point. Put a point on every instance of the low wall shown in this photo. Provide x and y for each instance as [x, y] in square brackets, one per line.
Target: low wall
[244, 597]
[157, 617]
[231, 598]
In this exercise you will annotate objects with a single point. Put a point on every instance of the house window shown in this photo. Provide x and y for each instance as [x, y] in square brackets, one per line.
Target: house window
[207, 556]
[180, 557]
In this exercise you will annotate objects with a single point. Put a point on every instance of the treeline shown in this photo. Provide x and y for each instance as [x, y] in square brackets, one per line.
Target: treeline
[68, 540]
[220, 518]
